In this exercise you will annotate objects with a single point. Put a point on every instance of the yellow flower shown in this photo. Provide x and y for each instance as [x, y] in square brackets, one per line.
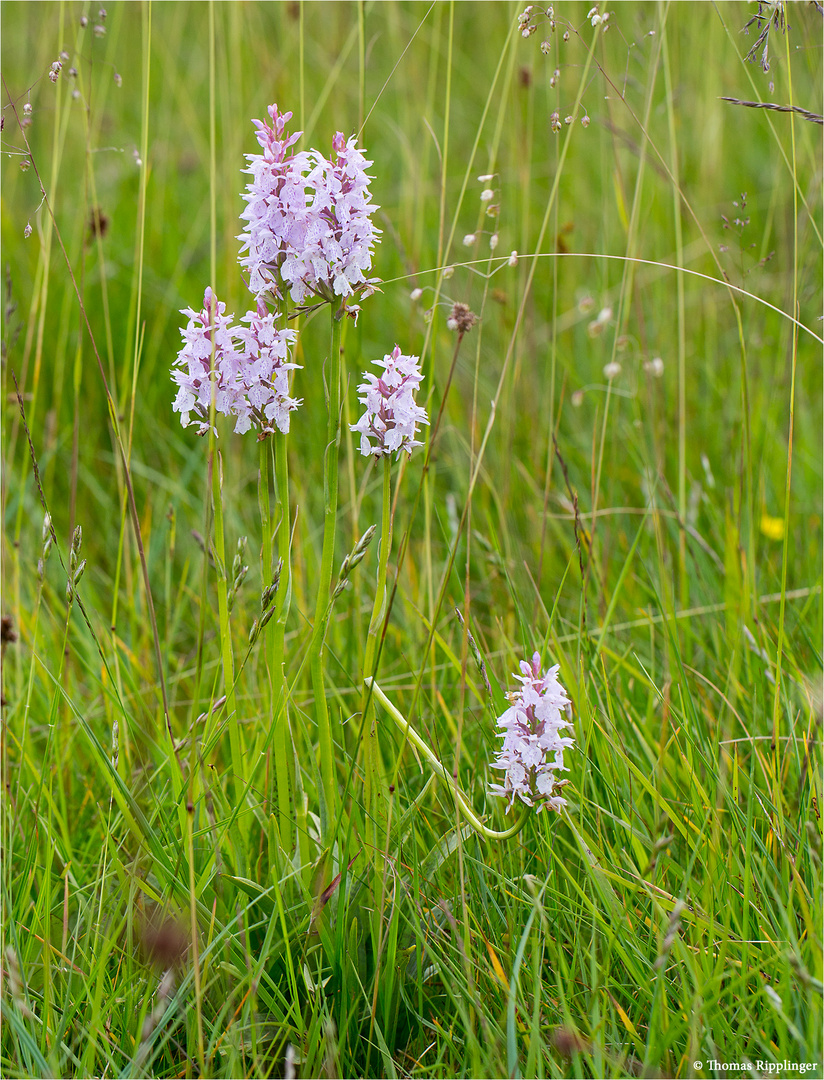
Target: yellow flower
[772, 527]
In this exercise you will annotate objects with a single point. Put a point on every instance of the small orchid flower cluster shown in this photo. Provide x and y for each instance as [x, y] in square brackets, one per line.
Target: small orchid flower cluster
[308, 228]
[532, 732]
[309, 219]
[392, 417]
[250, 368]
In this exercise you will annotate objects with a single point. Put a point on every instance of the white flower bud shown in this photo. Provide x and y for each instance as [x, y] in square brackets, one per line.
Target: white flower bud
[655, 367]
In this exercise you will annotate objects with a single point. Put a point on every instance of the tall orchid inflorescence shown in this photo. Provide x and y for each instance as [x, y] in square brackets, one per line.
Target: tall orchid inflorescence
[391, 420]
[533, 751]
[250, 368]
[308, 220]
[308, 231]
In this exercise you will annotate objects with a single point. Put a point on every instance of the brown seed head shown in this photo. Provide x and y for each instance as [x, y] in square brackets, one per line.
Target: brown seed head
[461, 318]
[568, 1042]
[165, 942]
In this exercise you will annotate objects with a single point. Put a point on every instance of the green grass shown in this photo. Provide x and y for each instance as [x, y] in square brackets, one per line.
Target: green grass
[652, 535]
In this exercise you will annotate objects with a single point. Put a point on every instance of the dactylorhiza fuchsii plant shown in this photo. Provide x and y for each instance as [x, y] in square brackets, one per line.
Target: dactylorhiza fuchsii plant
[392, 416]
[308, 219]
[388, 426]
[532, 754]
[309, 236]
[249, 367]
[533, 750]
[308, 239]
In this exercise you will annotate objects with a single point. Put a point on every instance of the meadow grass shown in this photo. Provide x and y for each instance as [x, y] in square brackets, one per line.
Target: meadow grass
[172, 903]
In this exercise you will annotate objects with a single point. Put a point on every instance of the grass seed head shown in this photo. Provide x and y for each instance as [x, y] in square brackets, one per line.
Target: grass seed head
[460, 317]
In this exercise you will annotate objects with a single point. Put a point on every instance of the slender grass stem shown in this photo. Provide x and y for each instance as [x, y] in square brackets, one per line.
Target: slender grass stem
[776, 710]
[683, 580]
[194, 932]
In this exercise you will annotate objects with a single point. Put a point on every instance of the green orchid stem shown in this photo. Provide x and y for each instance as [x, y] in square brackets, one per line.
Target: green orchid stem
[322, 608]
[283, 739]
[460, 798]
[227, 654]
[275, 636]
[371, 770]
[379, 607]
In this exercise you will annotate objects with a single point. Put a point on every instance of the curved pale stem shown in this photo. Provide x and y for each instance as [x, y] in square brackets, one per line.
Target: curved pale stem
[460, 798]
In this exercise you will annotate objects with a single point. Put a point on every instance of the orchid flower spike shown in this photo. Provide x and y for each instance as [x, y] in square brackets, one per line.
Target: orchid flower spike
[308, 219]
[247, 368]
[533, 750]
[392, 417]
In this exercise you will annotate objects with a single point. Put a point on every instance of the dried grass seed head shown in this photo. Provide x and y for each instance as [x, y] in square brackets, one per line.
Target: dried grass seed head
[461, 318]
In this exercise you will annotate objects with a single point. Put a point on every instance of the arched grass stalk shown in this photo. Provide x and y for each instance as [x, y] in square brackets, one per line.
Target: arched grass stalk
[461, 799]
